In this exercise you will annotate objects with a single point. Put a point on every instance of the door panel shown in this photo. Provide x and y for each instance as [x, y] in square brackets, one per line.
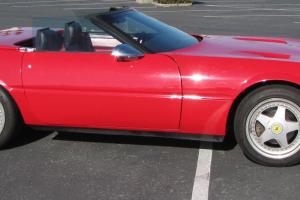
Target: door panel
[95, 91]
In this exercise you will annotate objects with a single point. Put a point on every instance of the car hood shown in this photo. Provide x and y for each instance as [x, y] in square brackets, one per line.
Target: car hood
[245, 47]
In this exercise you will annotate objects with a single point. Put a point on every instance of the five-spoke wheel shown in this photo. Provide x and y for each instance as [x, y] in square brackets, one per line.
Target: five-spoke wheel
[272, 128]
[267, 125]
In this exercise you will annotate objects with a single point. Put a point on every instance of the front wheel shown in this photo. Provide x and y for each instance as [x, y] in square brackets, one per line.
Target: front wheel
[267, 125]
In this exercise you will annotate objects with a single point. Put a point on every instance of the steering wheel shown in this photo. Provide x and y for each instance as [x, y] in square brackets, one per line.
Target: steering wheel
[141, 37]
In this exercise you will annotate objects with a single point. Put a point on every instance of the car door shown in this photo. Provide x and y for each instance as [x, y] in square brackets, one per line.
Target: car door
[94, 90]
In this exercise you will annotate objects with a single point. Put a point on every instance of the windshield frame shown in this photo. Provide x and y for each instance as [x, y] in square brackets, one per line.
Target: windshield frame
[99, 20]
[119, 35]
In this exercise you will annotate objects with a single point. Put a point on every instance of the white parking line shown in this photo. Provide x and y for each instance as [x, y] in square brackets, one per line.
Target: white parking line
[225, 1]
[227, 6]
[202, 177]
[33, 2]
[212, 10]
[257, 4]
[250, 5]
[231, 16]
[144, 7]
[70, 4]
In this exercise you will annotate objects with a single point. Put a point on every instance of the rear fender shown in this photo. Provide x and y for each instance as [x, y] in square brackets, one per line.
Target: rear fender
[11, 78]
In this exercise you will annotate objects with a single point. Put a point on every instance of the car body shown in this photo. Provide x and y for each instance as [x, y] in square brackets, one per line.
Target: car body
[192, 91]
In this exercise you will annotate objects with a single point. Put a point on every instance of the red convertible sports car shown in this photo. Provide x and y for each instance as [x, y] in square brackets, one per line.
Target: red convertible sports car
[127, 71]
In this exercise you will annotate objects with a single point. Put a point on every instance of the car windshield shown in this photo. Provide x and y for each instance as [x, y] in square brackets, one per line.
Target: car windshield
[148, 32]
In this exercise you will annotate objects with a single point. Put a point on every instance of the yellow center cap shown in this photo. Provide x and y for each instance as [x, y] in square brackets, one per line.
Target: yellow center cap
[277, 128]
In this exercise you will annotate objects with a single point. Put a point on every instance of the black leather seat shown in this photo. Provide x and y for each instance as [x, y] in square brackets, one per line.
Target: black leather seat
[48, 40]
[75, 39]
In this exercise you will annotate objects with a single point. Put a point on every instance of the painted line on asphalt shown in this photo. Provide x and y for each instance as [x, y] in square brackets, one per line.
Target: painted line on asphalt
[227, 6]
[47, 1]
[224, 1]
[70, 4]
[232, 10]
[202, 176]
[257, 4]
[244, 2]
[174, 11]
[248, 5]
[144, 7]
[232, 16]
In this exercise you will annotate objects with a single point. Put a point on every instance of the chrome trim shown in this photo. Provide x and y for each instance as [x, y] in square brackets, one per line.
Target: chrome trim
[125, 52]
[27, 49]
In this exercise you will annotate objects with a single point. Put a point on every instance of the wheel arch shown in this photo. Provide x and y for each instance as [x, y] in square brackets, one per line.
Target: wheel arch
[6, 90]
[243, 94]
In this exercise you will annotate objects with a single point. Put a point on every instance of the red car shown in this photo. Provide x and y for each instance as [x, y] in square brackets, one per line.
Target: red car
[124, 70]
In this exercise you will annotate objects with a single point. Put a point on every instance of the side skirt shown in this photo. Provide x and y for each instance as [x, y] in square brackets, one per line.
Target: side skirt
[181, 136]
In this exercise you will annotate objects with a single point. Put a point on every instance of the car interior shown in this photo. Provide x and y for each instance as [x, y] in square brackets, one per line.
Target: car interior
[48, 40]
[70, 39]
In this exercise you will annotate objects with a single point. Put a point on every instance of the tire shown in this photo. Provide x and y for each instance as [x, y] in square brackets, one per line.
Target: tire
[267, 125]
[10, 119]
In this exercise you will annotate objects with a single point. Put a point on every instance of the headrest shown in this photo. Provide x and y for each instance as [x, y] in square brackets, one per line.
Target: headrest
[72, 33]
[48, 40]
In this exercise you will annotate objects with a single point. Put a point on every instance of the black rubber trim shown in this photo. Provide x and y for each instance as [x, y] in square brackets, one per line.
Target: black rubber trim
[181, 136]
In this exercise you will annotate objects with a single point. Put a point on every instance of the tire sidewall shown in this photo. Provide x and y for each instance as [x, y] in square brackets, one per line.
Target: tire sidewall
[243, 111]
[12, 119]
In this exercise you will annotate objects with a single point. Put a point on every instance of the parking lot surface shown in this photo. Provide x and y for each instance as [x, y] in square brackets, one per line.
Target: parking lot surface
[51, 165]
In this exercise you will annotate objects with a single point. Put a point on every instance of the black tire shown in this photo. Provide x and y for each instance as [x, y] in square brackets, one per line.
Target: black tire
[13, 121]
[244, 109]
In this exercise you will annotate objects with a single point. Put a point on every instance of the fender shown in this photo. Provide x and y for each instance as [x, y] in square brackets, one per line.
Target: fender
[211, 85]
[11, 78]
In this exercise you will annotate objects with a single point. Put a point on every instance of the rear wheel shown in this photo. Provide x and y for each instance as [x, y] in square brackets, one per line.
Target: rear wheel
[267, 125]
[10, 120]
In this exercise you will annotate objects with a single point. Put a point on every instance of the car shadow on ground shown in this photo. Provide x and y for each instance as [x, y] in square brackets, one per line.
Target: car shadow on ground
[228, 144]
[28, 136]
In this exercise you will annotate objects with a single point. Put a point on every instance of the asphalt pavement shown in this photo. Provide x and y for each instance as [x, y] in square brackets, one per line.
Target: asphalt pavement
[51, 165]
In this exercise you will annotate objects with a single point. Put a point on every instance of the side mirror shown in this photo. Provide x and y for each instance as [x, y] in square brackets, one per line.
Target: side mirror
[125, 52]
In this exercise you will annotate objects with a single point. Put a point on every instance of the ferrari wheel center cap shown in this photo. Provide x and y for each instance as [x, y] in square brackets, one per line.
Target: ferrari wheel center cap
[277, 128]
